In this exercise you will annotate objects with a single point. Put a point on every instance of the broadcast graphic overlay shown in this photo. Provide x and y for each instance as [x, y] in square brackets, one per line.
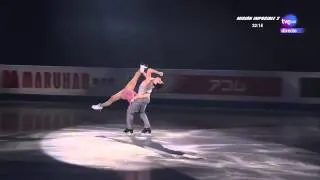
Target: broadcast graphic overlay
[288, 25]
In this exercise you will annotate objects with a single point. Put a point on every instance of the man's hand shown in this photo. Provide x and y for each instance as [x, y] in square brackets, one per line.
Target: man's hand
[132, 100]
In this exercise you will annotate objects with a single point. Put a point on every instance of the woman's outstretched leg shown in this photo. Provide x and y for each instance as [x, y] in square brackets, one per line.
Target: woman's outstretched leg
[125, 93]
[111, 100]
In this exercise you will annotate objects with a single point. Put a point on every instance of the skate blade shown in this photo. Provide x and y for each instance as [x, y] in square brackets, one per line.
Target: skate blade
[129, 134]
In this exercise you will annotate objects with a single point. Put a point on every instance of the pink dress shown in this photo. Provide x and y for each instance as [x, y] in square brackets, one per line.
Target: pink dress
[128, 94]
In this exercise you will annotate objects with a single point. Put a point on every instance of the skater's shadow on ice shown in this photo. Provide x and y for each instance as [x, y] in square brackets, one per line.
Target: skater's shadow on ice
[146, 142]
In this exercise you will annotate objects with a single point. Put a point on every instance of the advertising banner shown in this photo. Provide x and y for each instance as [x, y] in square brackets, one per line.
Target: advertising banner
[221, 85]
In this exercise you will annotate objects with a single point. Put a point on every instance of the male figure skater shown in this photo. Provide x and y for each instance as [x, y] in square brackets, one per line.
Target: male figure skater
[138, 101]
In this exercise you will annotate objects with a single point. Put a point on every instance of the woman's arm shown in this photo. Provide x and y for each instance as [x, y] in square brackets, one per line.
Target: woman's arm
[151, 71]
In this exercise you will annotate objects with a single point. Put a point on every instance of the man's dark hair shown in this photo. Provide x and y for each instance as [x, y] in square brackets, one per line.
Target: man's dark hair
[158, 86]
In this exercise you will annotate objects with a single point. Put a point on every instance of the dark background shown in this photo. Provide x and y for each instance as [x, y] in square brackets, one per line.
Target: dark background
[192, 34]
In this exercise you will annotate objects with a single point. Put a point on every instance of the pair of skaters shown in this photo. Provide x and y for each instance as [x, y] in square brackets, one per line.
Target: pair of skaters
[138, 101]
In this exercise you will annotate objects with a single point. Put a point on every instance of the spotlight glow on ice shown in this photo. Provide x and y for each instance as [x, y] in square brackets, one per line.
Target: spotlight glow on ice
[85, 148]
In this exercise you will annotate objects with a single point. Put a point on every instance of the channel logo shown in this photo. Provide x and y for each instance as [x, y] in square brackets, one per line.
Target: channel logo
[288, 25]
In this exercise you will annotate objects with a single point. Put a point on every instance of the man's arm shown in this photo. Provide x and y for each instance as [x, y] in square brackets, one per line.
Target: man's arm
[147, 95]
